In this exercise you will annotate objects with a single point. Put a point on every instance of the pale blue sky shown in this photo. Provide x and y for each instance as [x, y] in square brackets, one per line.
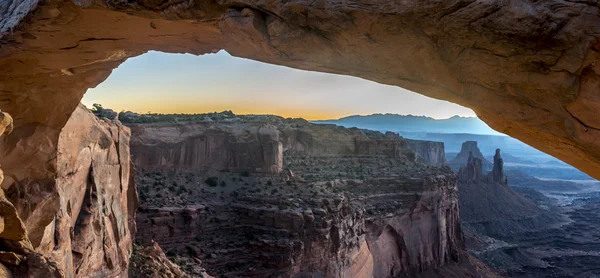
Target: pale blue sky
[178, 83]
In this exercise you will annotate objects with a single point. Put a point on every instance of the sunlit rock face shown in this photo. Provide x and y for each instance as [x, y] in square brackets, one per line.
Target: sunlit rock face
[83, 219]
[526, 67]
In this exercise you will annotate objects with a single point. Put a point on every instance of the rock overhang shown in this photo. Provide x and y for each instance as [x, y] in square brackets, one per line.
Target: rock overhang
[526, 68]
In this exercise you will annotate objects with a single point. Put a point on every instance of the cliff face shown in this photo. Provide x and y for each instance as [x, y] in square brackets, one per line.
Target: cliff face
[83, 219]
[91, 232]
[350, 203]
[232, 147]
[428, 152]
[252, 145]
[377, 235]
[81, 223]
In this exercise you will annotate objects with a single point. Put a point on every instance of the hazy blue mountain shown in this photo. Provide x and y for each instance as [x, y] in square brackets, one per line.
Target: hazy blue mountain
[410, 123]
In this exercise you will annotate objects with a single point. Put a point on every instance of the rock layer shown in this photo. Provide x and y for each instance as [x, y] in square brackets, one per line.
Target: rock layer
[330, 238]
[254, 144]
[234, 147]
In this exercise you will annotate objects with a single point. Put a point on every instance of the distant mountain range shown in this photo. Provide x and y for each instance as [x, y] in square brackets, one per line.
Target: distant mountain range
[410, 123]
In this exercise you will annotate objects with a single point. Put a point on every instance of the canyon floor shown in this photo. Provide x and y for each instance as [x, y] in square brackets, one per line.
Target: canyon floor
[566, 250]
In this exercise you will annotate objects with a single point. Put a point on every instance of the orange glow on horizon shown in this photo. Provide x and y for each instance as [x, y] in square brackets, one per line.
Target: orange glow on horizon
[239, 109]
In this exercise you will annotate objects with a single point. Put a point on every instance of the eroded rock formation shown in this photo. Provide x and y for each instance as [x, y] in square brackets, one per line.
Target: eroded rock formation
[253, 144]
[350, 203]
[18, 257]
[89, 228]
[151, 262]
[490, 207]
[497, 174]
[80, 223]
[467, 150]
[526, 67]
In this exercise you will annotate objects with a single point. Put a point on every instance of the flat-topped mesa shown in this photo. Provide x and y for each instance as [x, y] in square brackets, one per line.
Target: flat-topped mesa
[497, 173]
[468, 148]
[472, 170]
[254, 144]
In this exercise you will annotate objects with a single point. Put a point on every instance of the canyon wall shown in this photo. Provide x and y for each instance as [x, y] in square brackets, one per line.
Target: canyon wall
[428, 152]
[252, 145]
[328, 238]
[84, 218]
[350, 203]
[231, 147]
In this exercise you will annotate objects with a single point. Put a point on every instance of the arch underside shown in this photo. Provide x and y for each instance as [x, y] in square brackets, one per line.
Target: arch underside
[527, 68]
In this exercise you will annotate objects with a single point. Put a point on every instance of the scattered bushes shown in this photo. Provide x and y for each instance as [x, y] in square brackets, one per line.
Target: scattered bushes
[212, 181]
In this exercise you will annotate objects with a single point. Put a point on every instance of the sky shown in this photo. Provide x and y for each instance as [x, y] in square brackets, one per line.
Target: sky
[184, 83]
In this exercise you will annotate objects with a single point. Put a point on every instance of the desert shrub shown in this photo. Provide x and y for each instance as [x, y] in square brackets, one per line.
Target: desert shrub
[245, 174]
[223, 184]
[212, 181]
[269, 183]
[101, 112]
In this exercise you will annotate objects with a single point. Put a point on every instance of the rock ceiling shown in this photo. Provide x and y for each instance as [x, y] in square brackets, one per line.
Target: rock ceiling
[527, 68]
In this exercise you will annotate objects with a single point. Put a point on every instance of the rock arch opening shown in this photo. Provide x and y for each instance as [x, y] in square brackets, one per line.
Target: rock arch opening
[535, 80]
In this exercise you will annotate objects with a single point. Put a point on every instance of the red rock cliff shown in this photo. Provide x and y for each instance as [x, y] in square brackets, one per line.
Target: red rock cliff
[84, 219]
[334, 212]
[234, 147]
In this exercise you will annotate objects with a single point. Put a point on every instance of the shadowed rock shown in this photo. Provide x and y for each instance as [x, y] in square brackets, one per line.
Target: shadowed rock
[497, 174]
[468, 148]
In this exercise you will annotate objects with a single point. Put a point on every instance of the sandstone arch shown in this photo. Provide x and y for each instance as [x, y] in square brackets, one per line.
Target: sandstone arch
[526, 67]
